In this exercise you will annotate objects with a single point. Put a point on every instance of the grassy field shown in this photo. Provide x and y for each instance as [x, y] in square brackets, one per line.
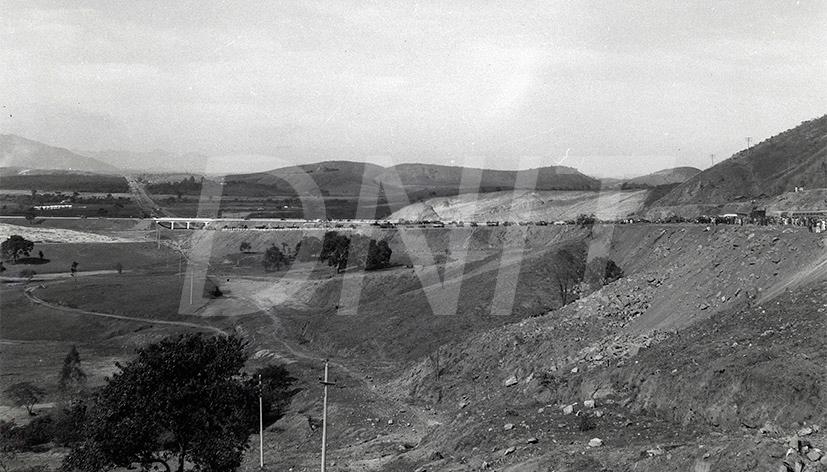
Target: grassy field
[58, 257]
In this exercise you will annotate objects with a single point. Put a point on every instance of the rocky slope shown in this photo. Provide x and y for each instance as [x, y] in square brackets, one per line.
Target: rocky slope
[713, 336]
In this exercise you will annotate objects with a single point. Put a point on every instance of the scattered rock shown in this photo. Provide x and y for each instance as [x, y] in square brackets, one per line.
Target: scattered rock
[508, 426]
[531, 440]
[588, 403]
[510, 381]
[568, 409]
[595, 442]
[806, 431]
[509, 450]
[658, 451]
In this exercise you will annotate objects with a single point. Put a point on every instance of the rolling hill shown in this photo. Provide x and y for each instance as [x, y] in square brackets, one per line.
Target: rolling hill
[420, 181]
[32, 155]
[794, 158]
[676, 175]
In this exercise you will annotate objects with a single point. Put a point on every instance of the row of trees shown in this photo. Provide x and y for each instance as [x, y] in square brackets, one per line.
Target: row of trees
[183, 400]
[335, 248]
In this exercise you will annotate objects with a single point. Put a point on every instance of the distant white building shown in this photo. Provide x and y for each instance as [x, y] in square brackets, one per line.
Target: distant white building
[53, 207]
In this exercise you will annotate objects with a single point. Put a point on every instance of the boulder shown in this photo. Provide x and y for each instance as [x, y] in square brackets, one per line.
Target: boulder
[595, 442]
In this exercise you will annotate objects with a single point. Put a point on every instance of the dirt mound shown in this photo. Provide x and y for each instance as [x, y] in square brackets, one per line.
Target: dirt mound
[54, 235]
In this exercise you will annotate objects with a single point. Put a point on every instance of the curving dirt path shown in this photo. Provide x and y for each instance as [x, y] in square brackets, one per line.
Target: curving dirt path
[29, 292]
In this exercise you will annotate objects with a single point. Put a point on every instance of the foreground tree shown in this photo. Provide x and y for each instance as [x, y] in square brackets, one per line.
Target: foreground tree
[569, 266]
[25, 394]
[335, 250]
[276, 390]
[30, 215]
[15, 245]
[585, 221]
[379, 255]
[181, 400]
[340, 251]
[72, 377]
[308, 249]
[274, 259]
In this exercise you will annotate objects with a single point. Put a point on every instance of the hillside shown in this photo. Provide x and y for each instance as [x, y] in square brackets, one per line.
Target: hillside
[794, 158]
[526, 206]
[345, 179]
[676, 175]
[333, 178]
[27, 154]
[676, 376]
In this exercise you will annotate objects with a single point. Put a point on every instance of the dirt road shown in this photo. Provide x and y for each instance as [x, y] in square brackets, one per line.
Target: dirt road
[34, 298]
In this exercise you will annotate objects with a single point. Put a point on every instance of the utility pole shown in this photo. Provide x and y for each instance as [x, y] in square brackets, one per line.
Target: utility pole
[324, 415]
[260, 425]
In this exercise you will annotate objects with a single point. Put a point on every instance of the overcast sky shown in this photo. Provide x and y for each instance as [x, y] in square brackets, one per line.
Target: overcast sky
[608, 87]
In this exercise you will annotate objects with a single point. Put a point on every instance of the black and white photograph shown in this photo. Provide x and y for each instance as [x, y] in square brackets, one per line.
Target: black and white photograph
[413, 236]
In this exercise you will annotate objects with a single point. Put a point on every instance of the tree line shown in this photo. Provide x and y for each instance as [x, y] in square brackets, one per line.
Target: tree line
[337, 249]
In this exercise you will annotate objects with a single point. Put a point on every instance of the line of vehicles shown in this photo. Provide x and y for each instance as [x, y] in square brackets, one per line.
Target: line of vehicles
[298, 223]
[291, 223]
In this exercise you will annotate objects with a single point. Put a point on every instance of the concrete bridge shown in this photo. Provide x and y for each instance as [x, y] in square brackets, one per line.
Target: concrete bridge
[183, 223]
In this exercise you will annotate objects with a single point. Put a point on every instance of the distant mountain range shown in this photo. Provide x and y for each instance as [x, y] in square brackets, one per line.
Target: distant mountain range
[31, 155]
[153, 161]
[794, 158]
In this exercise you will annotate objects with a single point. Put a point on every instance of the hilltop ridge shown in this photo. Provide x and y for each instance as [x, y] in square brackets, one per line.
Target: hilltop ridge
[23, 153]
[794, 158]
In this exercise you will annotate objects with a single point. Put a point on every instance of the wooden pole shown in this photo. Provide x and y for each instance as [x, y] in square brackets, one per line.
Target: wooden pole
[260, 425]
[324, 416]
